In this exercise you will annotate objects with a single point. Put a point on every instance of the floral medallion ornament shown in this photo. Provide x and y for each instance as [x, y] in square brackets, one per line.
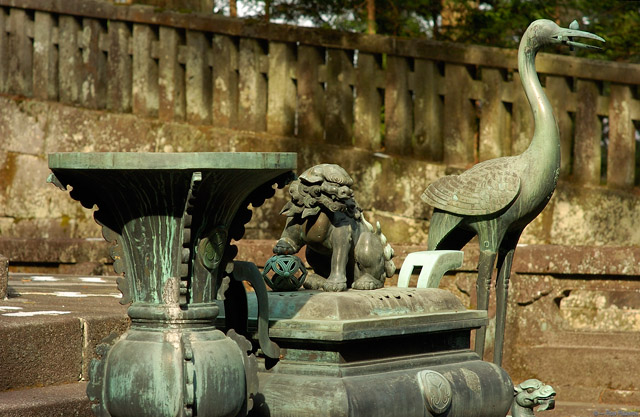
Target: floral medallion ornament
[284, 273]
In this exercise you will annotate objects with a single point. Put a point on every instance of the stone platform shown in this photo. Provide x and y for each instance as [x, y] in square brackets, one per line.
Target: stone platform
[44, 355]
[49, 328]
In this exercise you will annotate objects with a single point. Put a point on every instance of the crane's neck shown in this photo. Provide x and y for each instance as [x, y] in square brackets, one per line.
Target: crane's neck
[546, 138]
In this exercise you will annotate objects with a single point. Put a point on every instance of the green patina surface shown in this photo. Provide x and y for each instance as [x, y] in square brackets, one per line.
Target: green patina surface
[192, 161]
[363, 315]
[496, 199]
[145, 200]
[170, 219]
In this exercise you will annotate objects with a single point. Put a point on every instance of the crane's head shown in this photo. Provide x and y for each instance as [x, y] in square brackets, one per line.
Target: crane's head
[545, 32]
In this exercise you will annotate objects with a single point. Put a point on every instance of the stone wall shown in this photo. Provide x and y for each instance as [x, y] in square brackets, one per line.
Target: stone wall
[574, 310]
[388, 188]
[573, 320]
[85, 75]
[416, 98]
[4, 277]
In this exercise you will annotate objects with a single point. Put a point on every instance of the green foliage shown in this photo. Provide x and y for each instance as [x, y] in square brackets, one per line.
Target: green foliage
[502, 23]
[491, 22]
[619, 23]
[393, 17]
[497, 22]
[334, 14]
[409, 17]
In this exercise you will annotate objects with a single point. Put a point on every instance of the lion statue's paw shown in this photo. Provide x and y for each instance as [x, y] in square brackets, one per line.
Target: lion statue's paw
[334, 286]
[366, 282]
[283, 247]
[314, 282]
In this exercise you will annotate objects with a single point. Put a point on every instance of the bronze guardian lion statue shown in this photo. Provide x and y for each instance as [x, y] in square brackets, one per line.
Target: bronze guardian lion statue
[342, 247]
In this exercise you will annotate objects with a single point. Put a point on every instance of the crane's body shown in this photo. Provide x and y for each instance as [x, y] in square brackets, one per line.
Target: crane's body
[498, 198]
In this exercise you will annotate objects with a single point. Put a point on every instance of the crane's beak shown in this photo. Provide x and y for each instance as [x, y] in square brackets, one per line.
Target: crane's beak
[565, 37]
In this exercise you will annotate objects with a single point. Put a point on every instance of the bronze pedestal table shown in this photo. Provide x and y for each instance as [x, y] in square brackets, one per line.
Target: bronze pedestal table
[170, 219]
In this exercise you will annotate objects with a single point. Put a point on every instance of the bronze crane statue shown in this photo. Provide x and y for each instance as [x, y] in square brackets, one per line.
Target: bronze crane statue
[496, 199]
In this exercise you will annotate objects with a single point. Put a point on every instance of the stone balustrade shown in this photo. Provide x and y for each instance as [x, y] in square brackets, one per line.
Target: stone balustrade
[425, 99]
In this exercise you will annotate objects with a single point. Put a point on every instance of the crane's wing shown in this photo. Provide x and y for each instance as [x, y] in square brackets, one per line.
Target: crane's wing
[486, 188]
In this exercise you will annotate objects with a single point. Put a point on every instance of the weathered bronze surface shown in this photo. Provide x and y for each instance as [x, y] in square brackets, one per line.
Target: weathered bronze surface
[496, 199]
[284, 272]
[390, 352]
[342, 247]
[170, 218]
[530, 394]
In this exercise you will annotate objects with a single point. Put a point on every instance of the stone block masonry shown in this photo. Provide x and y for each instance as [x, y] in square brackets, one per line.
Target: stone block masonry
[4, 277]
[137, 78]
[387, 187]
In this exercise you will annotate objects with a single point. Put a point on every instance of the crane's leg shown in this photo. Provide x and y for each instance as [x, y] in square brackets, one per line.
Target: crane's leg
[505, 260]
[486, 263]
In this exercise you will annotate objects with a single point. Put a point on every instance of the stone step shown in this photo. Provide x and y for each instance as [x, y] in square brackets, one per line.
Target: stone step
[580, 409]
[50, 326]
[68, 400]
[605, 374]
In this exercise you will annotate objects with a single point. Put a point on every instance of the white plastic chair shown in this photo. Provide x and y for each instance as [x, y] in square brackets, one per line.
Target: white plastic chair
[434, 265]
